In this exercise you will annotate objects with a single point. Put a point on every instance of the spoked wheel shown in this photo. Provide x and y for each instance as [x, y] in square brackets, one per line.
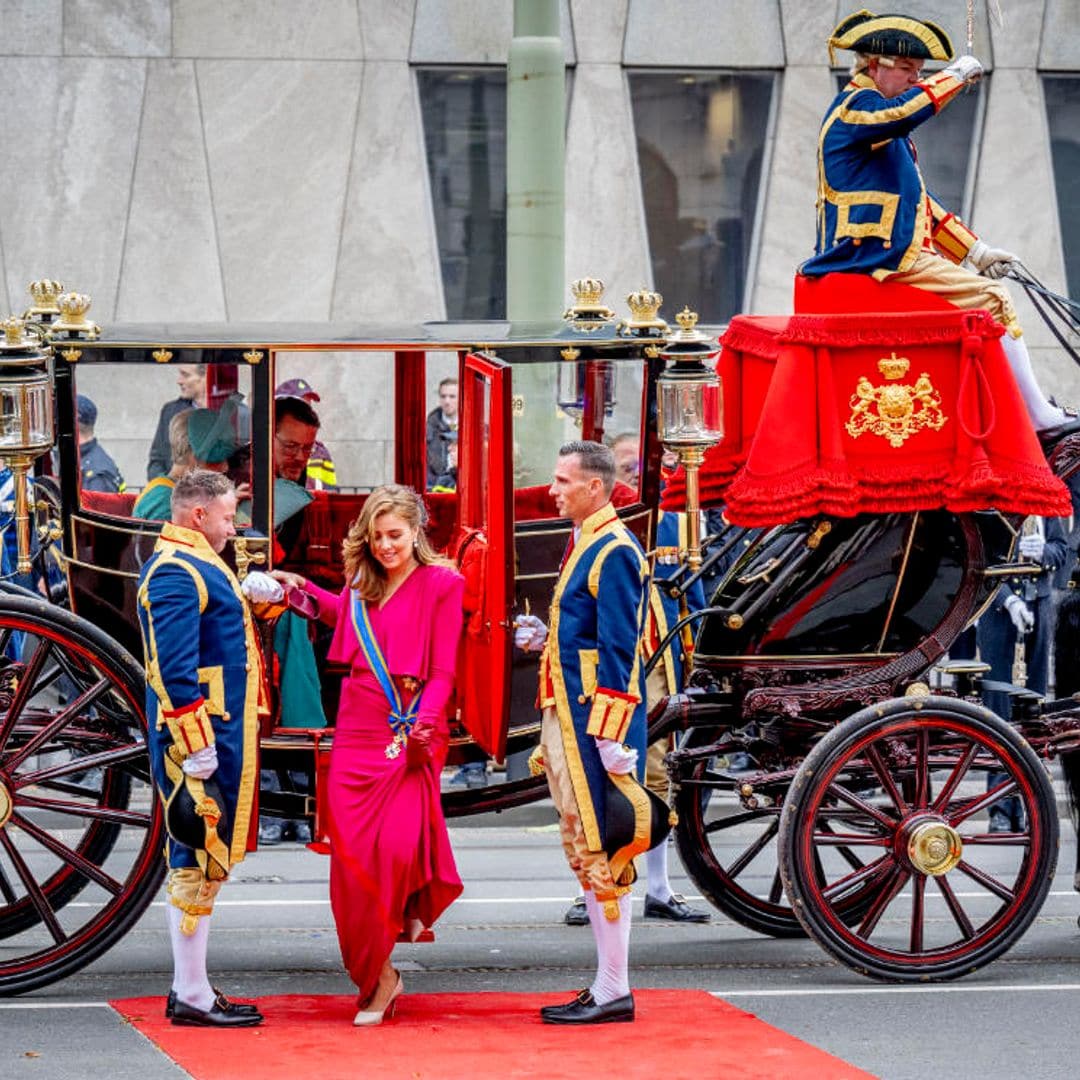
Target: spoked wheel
[906, 783]
[78, 815]
[730, 851]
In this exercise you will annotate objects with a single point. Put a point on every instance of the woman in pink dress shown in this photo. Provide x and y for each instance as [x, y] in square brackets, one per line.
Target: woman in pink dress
[391, 866]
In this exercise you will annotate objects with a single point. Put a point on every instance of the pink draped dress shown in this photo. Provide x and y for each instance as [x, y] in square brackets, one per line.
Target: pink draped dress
[390, 855]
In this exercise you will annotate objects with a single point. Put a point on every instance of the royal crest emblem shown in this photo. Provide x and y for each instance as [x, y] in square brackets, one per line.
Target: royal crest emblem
[895, 411]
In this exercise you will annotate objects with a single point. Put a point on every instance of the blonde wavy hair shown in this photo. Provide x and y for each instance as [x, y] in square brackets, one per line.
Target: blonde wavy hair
[363, 571]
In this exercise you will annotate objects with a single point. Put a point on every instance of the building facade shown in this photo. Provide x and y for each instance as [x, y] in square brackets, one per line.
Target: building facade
[344, 160]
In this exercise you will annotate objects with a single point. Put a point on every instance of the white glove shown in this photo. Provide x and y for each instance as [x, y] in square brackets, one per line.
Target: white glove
[261, 588]
[202, 764]
[990, 262]
[1020, 613]
[1032, 547]
[530, 633]
[965, 68]
[615, 757]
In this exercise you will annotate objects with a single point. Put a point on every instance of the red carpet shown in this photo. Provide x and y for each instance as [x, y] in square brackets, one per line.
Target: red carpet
[678, 1035]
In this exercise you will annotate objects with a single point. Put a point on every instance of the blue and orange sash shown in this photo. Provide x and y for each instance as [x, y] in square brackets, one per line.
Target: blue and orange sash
[401, 719]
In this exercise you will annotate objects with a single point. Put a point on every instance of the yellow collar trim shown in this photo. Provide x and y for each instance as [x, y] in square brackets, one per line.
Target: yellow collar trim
[597, 520]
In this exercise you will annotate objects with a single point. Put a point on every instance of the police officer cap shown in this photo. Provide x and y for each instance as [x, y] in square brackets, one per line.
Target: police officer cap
[635, 820]
[87, 411]
[891, 35]
[297, 388]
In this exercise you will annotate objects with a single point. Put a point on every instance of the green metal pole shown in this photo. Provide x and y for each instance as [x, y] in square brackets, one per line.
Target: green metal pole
[535, 155]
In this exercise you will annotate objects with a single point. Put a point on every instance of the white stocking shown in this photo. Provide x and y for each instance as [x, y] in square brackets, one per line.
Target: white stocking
[612, 949]
[190, 981]
[658, 886]
[1042, 413]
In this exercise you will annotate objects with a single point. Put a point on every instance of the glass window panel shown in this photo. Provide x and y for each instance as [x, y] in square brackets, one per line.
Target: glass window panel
[945, 144]
[1063, 113]
[700, 139]
[356, 432]
[464, 118]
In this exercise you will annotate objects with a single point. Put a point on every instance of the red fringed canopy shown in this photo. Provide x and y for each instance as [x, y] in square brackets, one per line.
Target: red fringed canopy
[876, 412]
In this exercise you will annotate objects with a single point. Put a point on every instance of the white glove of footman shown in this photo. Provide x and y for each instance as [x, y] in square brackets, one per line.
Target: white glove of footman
[261, 588]
[201, 764]
[1020, 613]
[530, 633]
[990, 262]
[615, 757]
[1032, 547]
[965, 68]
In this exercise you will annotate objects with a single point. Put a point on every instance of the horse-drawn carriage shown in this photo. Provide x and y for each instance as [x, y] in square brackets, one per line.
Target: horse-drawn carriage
[812, 656]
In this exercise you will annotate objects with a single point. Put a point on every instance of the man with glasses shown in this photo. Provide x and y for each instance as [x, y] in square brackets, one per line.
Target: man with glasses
[875, 215]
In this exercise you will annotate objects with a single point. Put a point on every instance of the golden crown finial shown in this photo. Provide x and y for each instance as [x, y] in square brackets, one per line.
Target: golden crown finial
[13, 330]
[588, 312]
[644, 307]
[45, 293]
[687, 319]
[73, 308]
[587, 291]
[894, 367]
[161, 356]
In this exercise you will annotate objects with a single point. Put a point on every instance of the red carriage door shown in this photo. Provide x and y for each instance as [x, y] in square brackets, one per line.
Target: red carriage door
[485, 549]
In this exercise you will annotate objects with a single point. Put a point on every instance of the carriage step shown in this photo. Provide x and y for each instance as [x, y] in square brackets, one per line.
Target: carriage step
[962, 667]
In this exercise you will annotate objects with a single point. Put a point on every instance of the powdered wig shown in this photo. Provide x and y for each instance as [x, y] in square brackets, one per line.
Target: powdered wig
[363, 571]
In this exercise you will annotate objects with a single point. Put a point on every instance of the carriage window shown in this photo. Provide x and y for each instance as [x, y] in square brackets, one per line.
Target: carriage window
[125, 449]
[555, 404]
[946, 145]
[352, 394]
[442, 405]
[700, 137]
[1063, 115]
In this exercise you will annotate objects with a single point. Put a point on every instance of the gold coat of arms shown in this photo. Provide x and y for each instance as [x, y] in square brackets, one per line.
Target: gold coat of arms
[894, 410]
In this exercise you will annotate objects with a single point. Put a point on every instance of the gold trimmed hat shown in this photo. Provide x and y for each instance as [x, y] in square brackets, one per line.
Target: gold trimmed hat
[890, 35]
[636, 820]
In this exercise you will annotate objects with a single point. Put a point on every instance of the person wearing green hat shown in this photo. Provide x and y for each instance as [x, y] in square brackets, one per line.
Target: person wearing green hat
[875, 215]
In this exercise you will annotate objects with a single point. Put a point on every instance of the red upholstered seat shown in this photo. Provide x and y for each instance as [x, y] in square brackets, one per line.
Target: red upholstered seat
[116, 503]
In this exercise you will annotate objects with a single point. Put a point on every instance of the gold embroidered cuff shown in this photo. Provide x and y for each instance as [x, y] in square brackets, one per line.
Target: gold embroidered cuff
[190, 730]
[611, 714]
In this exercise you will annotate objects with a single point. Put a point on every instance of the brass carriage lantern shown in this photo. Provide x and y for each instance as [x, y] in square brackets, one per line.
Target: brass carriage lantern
[26, 416]
[689, 412]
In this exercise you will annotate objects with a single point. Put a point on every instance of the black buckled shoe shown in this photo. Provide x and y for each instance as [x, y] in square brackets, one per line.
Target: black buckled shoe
[675, 910]
[220, 999]
[584, 1010]
[577, 914]
[184, 1014]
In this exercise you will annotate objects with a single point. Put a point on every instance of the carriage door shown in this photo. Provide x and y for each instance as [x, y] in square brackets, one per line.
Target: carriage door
[485, 549]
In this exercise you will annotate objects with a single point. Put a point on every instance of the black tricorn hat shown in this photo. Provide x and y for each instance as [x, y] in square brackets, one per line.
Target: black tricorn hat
[195, 817]
[635, 821]
[891, 35]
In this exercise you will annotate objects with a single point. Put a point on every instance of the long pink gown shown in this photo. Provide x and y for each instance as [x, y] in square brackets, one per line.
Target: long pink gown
[390, 855]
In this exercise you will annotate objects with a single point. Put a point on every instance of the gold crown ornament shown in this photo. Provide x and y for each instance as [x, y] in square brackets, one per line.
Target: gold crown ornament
[44, 294]
[73, 308]
[14, 333]
[688, 331]
[644, 307]
[588, 304]
[893, 367]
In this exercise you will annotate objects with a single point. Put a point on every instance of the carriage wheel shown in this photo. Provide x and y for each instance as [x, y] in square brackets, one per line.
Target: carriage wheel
[730, 852]
[905, 782]
[78, 815]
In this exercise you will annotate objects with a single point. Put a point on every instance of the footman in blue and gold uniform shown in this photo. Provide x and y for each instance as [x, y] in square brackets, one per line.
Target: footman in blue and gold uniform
[204, 693]
[592, 693]
[875, 215]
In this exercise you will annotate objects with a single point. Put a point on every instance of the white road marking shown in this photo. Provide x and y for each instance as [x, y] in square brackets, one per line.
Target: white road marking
[861, 991]
[54, 1005]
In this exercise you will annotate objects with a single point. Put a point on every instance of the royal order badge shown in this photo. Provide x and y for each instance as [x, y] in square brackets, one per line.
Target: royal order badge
[895, 410]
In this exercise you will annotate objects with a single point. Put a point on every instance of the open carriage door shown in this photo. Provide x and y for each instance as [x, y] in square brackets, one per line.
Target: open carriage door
[485, 549]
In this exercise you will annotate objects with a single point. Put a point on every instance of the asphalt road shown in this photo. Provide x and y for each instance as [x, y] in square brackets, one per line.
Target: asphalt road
[273, 933]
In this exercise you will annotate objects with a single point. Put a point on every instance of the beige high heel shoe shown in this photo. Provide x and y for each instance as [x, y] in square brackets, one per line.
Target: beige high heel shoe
[371, 1017]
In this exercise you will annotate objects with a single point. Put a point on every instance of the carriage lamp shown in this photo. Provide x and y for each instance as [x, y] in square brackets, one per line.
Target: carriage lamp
[45, 293]
[689, 417]
[26, 416]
